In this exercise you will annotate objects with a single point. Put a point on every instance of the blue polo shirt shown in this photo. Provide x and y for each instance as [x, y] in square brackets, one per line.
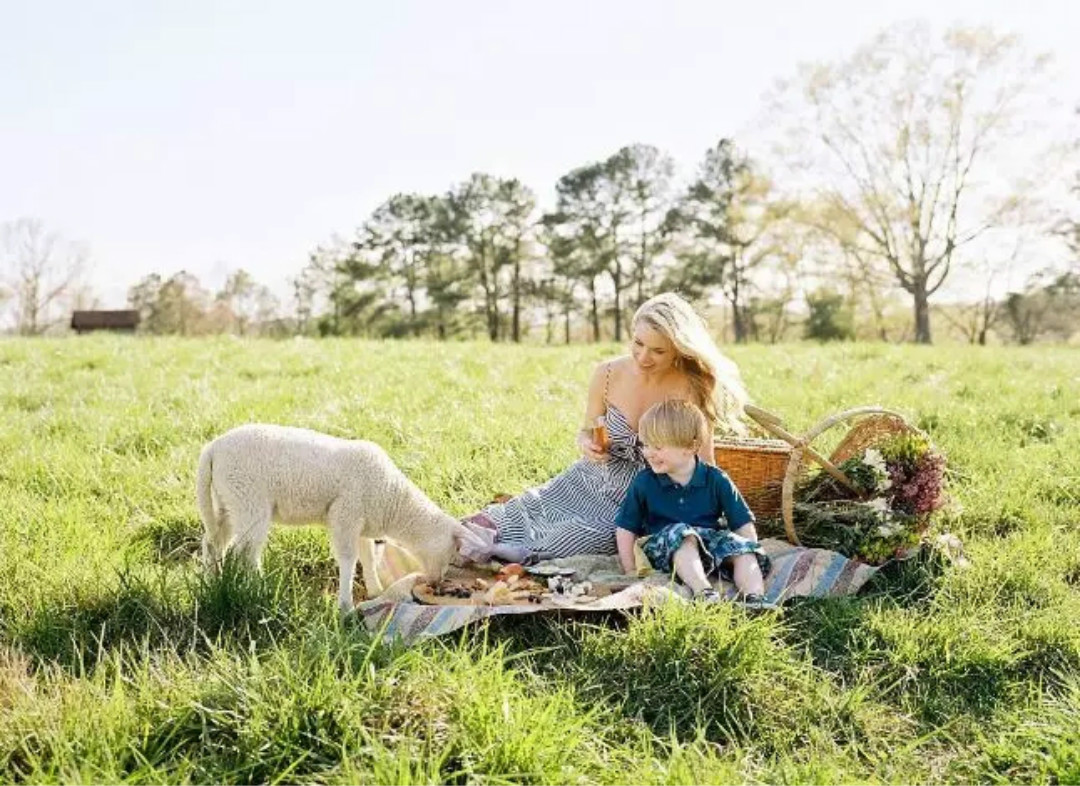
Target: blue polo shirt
[708, 500]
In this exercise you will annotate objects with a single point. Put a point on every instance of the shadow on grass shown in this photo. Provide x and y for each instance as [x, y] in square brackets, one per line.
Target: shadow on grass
[160, 610]
[546, 639]
[825, 625]
[300, 554]
[170, 540]
[897, 641]
[684, 671]
[925, 658]
[909, 582]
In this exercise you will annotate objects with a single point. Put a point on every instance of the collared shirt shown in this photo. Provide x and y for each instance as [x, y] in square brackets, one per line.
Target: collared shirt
[708, 500]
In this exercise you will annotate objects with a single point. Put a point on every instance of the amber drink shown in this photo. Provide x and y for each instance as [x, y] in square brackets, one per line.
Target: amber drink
[599, 433]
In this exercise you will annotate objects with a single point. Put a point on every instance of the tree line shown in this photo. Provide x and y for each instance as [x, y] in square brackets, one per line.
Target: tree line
[482, 256]
[886, 177]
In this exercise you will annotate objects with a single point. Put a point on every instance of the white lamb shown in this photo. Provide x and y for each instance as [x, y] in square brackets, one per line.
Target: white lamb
[257, 473]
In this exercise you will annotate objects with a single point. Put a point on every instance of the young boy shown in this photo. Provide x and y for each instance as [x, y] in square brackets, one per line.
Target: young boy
[695, 519]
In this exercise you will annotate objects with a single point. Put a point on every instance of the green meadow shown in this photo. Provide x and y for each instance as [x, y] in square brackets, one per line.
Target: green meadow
[121, 662]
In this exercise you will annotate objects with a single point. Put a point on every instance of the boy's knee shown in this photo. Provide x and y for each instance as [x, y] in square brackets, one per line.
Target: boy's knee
[690, 545]
[747, 562]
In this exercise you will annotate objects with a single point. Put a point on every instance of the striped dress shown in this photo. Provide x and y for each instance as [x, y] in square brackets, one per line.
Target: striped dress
[574, 512]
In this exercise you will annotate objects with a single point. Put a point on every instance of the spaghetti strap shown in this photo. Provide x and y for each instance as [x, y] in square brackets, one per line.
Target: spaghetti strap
[607, 381]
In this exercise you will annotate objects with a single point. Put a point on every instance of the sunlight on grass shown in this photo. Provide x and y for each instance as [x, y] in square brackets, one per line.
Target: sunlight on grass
[121, 662]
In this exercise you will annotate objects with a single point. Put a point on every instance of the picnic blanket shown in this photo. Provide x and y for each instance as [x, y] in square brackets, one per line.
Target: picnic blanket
[796, 572]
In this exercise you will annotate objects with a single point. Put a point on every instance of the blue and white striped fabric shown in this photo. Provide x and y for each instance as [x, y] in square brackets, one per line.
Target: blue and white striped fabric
[574, 512]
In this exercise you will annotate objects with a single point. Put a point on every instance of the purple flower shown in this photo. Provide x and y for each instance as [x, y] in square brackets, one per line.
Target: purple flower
[918, 487]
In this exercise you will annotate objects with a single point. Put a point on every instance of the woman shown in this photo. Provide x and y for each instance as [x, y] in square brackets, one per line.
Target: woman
[671, 356]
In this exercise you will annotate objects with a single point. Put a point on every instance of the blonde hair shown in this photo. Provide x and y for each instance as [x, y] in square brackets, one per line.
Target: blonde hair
[715, 379]
[675, 423]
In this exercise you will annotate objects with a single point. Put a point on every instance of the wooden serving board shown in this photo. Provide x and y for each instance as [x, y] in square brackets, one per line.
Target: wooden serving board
[423, 593]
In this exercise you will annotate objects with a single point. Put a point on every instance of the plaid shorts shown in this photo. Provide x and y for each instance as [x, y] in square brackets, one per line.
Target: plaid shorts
[715, 546]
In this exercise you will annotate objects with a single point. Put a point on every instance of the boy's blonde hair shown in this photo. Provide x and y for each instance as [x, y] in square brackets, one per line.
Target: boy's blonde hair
[675, 423]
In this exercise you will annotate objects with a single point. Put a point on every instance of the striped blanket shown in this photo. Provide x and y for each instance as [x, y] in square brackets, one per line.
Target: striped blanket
[796, 572]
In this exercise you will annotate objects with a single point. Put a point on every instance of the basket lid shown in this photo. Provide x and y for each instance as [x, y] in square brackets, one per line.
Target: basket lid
[762, 445]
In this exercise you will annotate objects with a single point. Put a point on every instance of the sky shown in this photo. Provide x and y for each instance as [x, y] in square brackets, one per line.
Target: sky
[210, 135]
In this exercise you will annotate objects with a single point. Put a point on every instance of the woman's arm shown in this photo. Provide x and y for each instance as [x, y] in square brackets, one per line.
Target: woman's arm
[594, 408]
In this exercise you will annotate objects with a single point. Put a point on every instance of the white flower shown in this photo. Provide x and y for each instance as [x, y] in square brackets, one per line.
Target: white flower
[889, 529]
[878, 505]
[873, 458]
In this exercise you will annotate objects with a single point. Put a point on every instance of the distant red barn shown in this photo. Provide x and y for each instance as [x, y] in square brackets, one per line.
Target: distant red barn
[124, 321]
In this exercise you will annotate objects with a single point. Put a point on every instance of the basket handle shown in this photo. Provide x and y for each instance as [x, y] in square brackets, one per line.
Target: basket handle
[763, 417]
[774, 426]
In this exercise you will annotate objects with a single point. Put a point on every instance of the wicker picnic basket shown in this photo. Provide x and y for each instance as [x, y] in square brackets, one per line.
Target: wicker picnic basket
[867, 427]
[768, 471]
[757, 468]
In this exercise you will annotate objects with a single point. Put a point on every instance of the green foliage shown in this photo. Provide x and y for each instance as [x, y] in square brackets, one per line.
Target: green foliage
[718, 225]
[1047, 307]
[906, 448]
[121, 662]
[855, 530]
[830, 317]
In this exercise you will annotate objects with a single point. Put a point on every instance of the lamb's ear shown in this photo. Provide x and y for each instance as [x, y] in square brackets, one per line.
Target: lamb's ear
[470, 545]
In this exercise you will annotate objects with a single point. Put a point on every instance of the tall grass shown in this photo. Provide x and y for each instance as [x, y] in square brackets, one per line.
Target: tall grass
[121, 662]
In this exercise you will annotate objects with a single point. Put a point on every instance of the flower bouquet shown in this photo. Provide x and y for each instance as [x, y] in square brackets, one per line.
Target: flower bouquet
[900, 482]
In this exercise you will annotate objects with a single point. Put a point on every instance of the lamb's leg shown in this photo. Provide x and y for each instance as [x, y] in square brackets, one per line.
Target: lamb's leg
[216, 537]
[369, 567]
[251, 525]
[346, 574]
[345, 541]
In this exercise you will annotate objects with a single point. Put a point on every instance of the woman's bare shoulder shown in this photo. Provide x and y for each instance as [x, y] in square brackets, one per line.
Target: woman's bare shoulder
[613, 366]
[617, 364]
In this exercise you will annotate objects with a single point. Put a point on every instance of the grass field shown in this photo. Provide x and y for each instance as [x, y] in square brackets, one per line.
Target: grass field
[120, 663]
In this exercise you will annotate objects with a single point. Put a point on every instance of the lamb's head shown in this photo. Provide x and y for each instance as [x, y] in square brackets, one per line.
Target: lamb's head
[440, 546]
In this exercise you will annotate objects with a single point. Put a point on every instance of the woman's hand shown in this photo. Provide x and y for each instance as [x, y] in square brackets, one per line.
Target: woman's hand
[589, 448]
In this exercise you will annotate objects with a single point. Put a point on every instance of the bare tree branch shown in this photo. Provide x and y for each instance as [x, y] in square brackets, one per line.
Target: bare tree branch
[40, 271]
